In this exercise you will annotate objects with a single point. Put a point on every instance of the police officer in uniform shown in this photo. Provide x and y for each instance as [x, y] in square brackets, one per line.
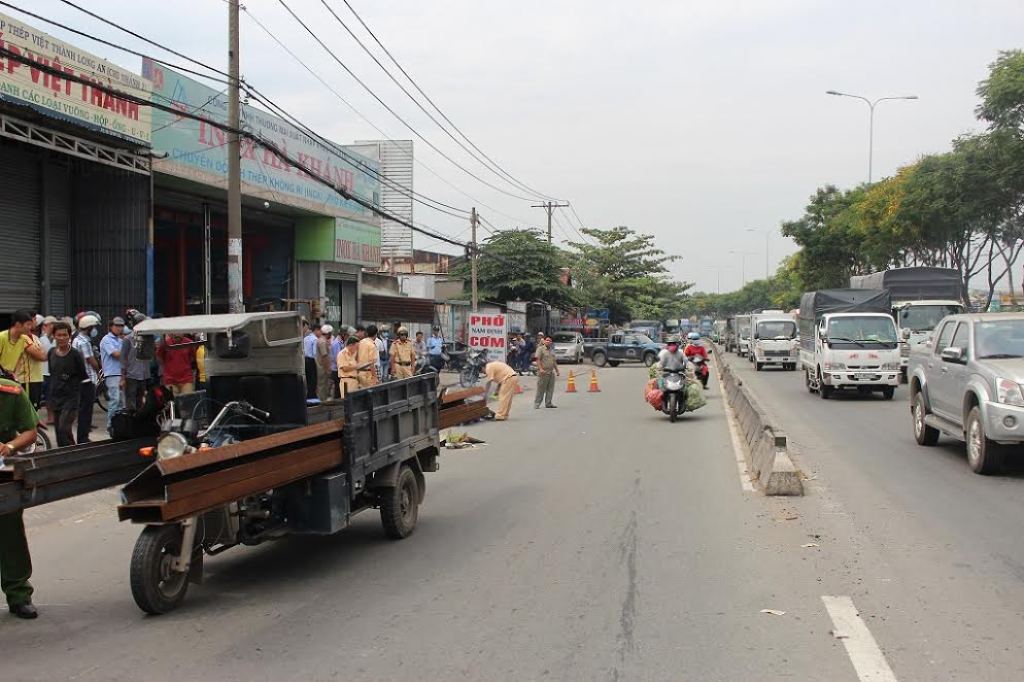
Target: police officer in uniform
[18, 422]
[403, 355]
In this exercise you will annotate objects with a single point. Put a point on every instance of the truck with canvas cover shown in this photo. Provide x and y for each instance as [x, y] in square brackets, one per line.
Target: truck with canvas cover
[921, 297]
[848, 341]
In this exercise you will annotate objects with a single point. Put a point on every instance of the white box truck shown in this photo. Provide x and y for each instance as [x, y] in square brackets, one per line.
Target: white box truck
[774, 340]
[743, 335]
[920, 297]
[848, 340]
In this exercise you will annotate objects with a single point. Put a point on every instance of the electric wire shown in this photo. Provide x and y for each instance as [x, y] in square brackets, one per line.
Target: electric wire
[259, 140]
[438, 109]
[390, 110]
[488, 163]
[114, 45]
[365, 119]
[336, 149]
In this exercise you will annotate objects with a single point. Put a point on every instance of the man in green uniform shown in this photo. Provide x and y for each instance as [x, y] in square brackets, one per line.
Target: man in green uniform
[18, 422]
[547, 370]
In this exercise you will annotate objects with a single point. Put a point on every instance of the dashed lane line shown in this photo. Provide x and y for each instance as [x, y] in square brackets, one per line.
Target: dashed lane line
[867, 658]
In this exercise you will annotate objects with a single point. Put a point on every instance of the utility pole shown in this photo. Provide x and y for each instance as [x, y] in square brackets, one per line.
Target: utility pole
[472, 258]
[550, 208]
[235, 303]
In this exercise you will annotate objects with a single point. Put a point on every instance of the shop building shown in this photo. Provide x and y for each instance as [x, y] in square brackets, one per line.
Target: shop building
[75, 183]
[303, 245]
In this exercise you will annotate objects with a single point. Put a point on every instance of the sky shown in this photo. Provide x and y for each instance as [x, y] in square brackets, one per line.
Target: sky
[703, 123]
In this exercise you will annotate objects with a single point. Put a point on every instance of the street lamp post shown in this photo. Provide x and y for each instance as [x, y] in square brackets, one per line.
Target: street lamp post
[767, 241]
[871, 120]
[743, 263]
[718, 270]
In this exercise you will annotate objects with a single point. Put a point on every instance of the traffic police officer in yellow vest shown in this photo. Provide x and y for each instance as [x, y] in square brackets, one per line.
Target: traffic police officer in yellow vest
[403, 355]
[18, 423]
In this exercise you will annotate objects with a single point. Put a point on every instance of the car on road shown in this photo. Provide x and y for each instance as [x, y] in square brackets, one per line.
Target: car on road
[568, 347]
[967, 384]
[626, 346]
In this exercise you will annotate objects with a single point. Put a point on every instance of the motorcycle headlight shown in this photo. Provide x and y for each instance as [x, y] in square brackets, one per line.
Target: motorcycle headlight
[171, 445]
[1009, 392]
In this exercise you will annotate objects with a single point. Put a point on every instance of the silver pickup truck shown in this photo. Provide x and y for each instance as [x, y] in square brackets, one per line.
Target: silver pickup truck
[967, 384]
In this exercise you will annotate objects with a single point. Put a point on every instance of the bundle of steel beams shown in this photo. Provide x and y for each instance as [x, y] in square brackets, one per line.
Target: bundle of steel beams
[173, 489]
[34, 479]
[462, 406]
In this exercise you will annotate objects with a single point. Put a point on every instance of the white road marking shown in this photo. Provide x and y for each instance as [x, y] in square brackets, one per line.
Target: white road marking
[737, 446]
[868, 660]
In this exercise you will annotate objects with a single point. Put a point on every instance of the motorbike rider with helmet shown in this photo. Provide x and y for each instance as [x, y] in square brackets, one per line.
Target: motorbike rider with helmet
[672, 359]
[695, 349]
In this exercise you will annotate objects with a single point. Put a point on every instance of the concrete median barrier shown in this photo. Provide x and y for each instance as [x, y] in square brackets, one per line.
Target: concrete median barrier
[767, 453]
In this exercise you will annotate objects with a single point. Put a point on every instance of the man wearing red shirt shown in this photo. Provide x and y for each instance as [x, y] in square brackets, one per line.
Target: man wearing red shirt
[176, 356]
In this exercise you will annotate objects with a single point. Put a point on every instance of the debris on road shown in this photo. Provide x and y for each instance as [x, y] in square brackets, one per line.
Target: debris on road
[773, 612]
[808, 545]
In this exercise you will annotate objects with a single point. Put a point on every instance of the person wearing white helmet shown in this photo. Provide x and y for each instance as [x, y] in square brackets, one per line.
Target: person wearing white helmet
[87, 331]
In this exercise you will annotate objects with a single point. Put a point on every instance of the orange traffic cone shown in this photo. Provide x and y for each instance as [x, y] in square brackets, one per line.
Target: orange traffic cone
[593, 382]
[571, 386]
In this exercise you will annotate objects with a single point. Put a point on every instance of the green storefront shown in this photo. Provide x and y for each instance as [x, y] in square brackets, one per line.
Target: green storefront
[330, 254]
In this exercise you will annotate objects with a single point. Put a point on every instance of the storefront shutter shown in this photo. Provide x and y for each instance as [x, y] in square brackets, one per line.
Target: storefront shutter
[19, 229]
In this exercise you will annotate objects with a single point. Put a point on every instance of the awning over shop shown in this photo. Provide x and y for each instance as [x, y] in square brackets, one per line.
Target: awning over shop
[378, 308]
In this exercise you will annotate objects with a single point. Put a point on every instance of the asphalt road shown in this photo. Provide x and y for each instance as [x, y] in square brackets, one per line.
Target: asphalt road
[592, 542]
[938, 547]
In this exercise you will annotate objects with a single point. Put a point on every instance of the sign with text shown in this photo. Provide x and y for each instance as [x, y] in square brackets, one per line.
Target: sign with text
[197, 150]
[488, 331]
[69, 100]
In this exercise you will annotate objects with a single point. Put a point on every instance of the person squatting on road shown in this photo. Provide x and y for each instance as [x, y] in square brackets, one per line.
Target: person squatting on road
[67, 372]
[547, 370]
[403, 356]
[18, 421]
[506, 379]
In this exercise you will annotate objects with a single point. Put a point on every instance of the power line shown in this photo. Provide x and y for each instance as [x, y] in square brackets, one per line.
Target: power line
[114, 45]
[493, 167]
[391, 110]
[145, 39]
[266, 144]
[358, 113]
[335, 149]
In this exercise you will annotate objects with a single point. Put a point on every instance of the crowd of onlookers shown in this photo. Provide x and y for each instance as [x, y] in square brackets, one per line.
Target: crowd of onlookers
[347, 358]
[64, 363]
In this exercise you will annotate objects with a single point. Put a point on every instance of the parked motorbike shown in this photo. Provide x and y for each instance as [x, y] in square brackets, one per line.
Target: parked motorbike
[673, 393]
[473, 367]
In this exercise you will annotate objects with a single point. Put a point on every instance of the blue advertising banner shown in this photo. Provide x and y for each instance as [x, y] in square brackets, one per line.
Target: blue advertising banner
[198, 151]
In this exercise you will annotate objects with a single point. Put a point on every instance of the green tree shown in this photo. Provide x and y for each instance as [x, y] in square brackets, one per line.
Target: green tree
[627, 273]
[520, 265]
[828, 235]
[1002, 93]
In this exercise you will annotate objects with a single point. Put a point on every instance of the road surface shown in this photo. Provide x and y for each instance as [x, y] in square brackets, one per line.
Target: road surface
[592, 542]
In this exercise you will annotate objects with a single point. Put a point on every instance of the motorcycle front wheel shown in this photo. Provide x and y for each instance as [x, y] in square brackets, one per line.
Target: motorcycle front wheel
[468, 377]
[673, 407]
